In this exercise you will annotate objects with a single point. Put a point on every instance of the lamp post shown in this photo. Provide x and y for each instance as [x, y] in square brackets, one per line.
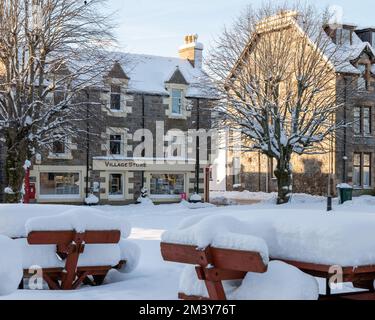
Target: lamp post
[197, 149]
[87, 142]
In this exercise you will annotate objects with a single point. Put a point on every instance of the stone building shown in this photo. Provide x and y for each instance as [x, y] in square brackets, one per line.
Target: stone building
[351, 157]
[161, 95]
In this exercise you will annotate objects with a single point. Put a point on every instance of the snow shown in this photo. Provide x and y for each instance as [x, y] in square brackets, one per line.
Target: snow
[195, 198]
[280, 282]
[344, 186]
[45, 255]
[198, 205]
[10, 266]
[146, 201]
[92, 199]
[148, 74]
[161, 279]
[8, 190]
[130, 252]
[80, 220]
[218, 231]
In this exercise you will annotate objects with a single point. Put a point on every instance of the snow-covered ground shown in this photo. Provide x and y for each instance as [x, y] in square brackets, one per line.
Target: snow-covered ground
[156, 279]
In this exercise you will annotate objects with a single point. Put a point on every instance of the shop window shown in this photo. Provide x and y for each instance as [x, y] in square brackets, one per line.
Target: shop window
[59, 184]
[115, 98]
[115, 142]
[116, 185]
[167, 184]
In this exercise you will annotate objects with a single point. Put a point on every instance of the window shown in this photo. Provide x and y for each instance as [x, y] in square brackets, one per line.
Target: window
[176, 101]
[362, 120]
[116, 185]
[373, 38]
[54, 184]
[167, 184]
[362, 170]
[273, 168]
[362, 81]
[115, 98]
[236, 171]
[115, 144]
[58, 147]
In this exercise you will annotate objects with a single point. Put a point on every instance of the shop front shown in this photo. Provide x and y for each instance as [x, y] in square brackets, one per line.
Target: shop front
[120, 180]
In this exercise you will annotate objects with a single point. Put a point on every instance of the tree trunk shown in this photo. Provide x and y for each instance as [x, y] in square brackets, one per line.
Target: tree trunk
[284, 177]
[15, 159]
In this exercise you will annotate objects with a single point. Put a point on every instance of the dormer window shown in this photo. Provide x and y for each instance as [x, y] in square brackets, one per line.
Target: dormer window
[115, 98]
[177, 96]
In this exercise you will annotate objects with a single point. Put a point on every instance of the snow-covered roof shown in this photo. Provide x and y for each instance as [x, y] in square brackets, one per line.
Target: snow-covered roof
[149, 74]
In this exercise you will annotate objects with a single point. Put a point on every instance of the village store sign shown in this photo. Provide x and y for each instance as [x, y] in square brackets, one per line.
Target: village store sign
[133, 165]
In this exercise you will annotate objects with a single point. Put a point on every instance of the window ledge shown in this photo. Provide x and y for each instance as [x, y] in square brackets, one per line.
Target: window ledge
[177, 116]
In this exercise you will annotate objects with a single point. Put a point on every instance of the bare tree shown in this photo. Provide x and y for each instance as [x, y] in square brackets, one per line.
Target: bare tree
[51, 53]
[276, 70]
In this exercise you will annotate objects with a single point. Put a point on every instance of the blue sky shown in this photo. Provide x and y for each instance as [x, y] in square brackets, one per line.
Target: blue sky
[158, 26]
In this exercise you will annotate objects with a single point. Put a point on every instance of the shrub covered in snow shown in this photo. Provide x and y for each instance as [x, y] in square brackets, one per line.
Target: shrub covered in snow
[10, 266]
[92, 199]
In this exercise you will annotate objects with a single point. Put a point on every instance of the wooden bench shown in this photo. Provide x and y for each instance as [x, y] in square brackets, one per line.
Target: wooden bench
[69, 246]
[214, 265]
[362, 277]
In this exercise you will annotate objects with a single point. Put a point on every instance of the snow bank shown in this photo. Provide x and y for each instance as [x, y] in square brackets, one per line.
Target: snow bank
[221, 231]
[45, 255]
[198, 205]
[92, 199]
[145, 202]
[280, 282]
[308, 236]
[130, 252]
[79, 219]
[195, 198]
[10, 266]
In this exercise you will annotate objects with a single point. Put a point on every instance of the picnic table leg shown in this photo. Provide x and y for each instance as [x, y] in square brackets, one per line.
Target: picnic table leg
[328, 288]
[74, 250]
[215, 288]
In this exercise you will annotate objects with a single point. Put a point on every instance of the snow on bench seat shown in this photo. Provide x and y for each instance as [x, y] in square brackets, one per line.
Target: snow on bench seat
[339, 238]
[280, 282]
[220, 232]
[79, 219]
[16, 221]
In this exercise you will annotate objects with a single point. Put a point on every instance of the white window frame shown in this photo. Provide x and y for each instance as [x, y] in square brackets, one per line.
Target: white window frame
[68, 151]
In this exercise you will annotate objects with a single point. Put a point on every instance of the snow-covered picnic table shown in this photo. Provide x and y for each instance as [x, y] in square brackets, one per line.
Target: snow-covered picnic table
[313, 242]
[44, 238]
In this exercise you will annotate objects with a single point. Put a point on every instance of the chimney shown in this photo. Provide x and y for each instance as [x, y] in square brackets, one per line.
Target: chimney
[192, 50]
